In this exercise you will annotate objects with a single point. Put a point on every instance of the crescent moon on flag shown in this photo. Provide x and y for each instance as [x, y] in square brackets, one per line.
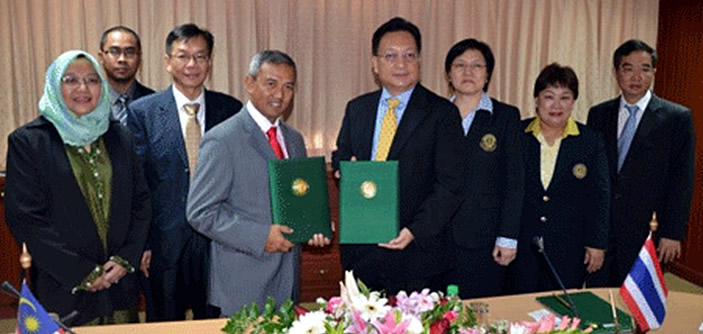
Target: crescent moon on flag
[26, 301]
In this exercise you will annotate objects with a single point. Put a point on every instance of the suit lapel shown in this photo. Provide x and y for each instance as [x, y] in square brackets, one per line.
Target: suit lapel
[412, 117]
[257, 139]
[212, 113]
[367, 118]
[611, 134]
[168, 112]
[294, 151]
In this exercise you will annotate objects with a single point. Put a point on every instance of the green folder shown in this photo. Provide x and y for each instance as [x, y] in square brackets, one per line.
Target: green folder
[592, 310]
[299, 197]
[368, 202]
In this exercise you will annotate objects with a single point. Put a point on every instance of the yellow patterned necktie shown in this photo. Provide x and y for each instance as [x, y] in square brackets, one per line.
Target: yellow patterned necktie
[192, 135]
[388, 129]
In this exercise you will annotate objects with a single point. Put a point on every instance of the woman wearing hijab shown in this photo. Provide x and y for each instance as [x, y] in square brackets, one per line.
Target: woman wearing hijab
[76, 195]
[567, 190]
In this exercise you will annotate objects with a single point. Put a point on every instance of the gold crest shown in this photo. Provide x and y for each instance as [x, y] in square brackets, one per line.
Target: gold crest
[300, 187]
[580, 171]
[368, 189]
[489, 142]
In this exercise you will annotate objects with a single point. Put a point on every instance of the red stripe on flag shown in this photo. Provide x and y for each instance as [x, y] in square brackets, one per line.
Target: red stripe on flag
[634, 308]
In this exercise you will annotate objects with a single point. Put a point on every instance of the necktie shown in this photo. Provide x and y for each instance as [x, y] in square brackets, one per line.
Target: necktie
[121, 114]
[273, 141]
[628, 132]
[192, 135]
[388, 129]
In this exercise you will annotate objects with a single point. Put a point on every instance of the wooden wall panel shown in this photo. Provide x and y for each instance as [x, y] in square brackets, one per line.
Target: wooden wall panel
[10, 269]
[679, 78]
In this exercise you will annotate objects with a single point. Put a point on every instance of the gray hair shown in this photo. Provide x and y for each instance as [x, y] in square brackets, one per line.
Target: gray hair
[275, 57]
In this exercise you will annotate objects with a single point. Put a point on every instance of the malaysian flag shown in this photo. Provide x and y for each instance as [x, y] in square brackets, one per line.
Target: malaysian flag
[644, 290]
[31, 316]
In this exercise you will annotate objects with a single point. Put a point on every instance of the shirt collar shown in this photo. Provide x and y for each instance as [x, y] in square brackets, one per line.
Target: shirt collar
[571, 129]
[115, 94]
[403, 97]
[484, 103]
[641, 104]
[261, 120]
[181, 99]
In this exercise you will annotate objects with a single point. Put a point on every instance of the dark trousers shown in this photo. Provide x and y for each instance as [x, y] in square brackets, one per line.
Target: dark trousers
[476, 273]
[184, 285]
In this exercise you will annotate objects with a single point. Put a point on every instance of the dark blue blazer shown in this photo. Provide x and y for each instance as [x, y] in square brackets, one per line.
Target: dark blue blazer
[427, 146]
[572, 213]
[157, 133]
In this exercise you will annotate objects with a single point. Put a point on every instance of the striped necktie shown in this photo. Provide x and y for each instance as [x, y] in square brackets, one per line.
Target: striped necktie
[388, 129]
[192, 135]
[628, 132]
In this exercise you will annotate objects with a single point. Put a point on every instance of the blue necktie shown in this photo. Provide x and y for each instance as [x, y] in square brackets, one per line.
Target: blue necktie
[628, 132]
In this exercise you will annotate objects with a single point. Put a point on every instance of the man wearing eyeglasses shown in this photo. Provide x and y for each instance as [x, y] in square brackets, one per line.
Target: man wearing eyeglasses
[120, 56]
[425, 138]
[167, 127]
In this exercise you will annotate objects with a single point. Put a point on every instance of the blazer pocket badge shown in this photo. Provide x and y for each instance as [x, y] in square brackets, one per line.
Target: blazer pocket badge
[580, 171]
[489, 142]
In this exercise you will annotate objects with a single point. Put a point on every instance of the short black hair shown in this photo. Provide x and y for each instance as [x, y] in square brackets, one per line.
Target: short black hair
[103, 37]
[471, 44]
[630, 47]
[555, 75]
[187, 31]
[275, 57]
[393, 25]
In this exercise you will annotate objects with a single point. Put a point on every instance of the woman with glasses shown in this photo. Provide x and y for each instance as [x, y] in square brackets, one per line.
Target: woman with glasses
[486, 226]
[566, 207]
[75, 194]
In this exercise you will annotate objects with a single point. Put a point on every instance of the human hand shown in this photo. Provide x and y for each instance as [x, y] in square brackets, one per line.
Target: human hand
[669, 250]
[594, 259]
[145, 263]
[404, 238]
[319, 240]
[504, 255]
[276, 241]
[113, 272]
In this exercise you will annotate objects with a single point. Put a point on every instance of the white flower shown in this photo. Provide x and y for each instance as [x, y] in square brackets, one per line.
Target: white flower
[518, 329]
[371, 308]
[349, 290]
[415, 326]
[309, 323]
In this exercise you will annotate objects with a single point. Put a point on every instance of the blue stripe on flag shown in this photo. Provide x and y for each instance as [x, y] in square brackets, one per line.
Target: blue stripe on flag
[642, 277]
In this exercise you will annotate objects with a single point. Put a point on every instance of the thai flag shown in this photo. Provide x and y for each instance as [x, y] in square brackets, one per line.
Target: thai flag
[644, 290]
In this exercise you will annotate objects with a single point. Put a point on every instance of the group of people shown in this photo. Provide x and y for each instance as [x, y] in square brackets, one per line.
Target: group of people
[115, 188]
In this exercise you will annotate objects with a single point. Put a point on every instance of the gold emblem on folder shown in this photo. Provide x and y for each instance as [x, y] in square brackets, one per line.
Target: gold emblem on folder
[368, 189]
[300, 187]
[580, 171]
[489, 142]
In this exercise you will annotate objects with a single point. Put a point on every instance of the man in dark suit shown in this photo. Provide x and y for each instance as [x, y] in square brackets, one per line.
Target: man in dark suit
[120, 56]
[167, 127]
[425, 138]
[651, 147]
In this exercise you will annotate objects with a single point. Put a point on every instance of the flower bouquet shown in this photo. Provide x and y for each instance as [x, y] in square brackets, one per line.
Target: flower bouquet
[358, 310]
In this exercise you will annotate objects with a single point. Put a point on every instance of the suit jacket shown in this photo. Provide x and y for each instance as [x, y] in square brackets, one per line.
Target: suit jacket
[572, 213]
[45, 208]
[427, 146]
[493, 179]
[141, 91]
[229, 202]
[157, 133]
[657, 174]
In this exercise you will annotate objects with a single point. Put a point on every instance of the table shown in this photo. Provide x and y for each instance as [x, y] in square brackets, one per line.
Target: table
[684, 315]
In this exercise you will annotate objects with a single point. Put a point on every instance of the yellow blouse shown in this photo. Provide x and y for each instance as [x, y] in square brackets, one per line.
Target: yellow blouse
[549, 154]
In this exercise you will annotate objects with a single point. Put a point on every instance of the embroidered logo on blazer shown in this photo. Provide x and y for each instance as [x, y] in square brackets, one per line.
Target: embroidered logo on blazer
[580, 171]
[489, 142]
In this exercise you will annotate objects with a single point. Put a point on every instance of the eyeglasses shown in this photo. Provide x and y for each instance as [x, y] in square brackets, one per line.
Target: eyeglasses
[115, 52]
[74, 82]
[391, 57]
[199, 58]
[463, 67]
